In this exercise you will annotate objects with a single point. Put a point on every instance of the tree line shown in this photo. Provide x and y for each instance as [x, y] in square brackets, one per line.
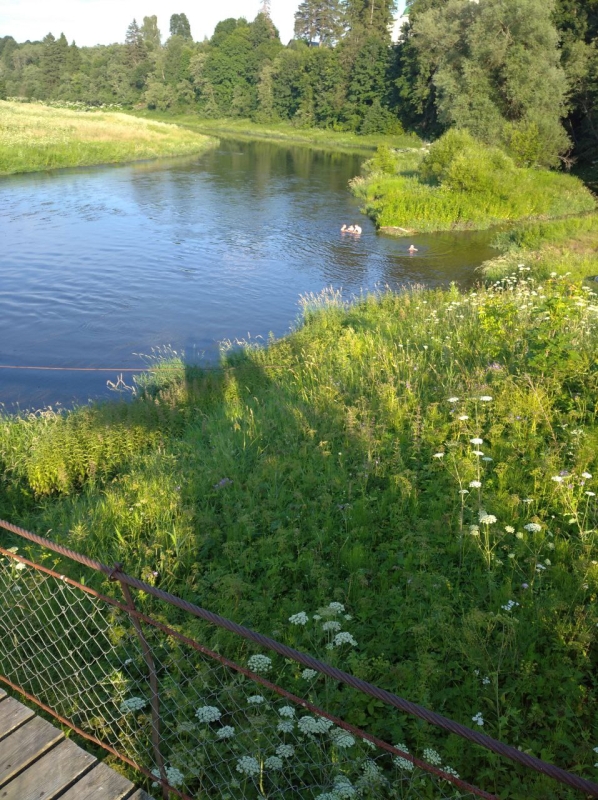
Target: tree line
[519, 73]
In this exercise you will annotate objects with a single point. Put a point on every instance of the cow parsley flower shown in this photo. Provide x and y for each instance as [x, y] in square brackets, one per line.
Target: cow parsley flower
[227, 732]
[402, 763]
[259, 663]
[343, 788]
[314, 725]
[132, 704]
[557, 478]
[477, 440]
[533, 527]
[586, 475]
[453, 400]
[256, 699]
[487, 519]
[285, 750]
[299, 619]
[285, 727]
[438, 455]
[309, 674]
[509, 606]
[478, 719]
[463, 417]
[591, 494]
[331, 625]
[432, 757]
[288, 712]
[208, 714]
[344, 637]
[336, 608]
[174, 776]
[341, 738]
[540, 567]
[509, 529]
[273, 762]
[485, 398]
[450, 771]
[475, 484]
[247, 765]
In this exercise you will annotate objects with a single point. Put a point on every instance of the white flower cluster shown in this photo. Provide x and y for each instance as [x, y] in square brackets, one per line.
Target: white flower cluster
[331, 625]
[432, 757]
[344, 638]
[476, 440]
[287, 711]
[478, 719]
[533, 527]
[314, 725]
[174, 776]
[343, 788]
[509, 606]
[256, 699]
[273, 762]
[341, 738]
[247, 765]
[259, 664]
[487, 519]
[132, 704]
[208, 714]
[286, 726]
[308, 674]
[285, 750]
[299, 619]
[332, 609]
[402, 763]
[475, 484]
[450, 771]
[226, 732]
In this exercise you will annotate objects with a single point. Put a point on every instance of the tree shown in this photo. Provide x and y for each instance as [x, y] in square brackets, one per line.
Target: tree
[365, 18]
[53, 62]
[135, 44]
[320, 21]
[179, 26]
[151, 33]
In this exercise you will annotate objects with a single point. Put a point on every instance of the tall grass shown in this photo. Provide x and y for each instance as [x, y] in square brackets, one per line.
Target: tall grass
[36, 137]
[461, 184]
[427, 459]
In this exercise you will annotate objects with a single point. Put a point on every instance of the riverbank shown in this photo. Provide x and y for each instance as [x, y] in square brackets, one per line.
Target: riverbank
[561, 247]
[460, 184]
[425, 459]
[287, 133]
[35, 137]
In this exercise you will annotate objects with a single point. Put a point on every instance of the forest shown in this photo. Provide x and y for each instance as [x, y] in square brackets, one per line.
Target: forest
[518, 74]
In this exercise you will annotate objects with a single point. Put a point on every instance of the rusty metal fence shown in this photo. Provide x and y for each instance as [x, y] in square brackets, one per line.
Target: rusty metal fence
[200, 725]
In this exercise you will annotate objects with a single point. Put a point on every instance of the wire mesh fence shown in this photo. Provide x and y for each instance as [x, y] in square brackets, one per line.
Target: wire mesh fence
[196, 723]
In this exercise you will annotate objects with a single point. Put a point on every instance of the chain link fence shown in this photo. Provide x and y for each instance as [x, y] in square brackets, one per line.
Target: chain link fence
[195, 723]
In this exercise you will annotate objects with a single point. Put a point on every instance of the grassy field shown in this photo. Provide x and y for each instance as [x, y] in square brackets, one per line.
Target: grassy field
[563, 247]
[35, 137]
[428, 459]
[461, 184]
[285, 132]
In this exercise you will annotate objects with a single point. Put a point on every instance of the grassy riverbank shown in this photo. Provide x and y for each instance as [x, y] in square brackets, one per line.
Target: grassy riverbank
[426, 459]
[35, 137]
[461, 184]
[563, 247]
[285, 132]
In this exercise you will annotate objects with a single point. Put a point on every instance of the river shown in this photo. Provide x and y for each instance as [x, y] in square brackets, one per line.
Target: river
[99, 265]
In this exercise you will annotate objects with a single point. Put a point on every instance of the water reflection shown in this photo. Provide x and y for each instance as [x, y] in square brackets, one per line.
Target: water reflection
[100, 264]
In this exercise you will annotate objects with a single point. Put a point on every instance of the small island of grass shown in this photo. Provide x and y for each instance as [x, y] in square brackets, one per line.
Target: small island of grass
[35, 137]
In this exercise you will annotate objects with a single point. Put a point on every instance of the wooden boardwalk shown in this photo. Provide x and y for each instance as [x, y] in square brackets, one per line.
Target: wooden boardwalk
[37, 762]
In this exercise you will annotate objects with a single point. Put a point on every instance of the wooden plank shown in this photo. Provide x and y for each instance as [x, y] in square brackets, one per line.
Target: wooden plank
[2, 694]
[49, 776]
[24, 745]
[102, 783]
[12, 715]
[140, 795]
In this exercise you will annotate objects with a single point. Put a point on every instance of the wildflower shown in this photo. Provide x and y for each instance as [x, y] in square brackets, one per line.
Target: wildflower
[331, 625]
[341, 738]
[256, 699]
[314, 725]
[586, 475]
[557, 478]
[222, 483]
[533, 527]
[511, 555]
[591, 494]
[259, 663]
[208, 714]
[519, 535]
[464, 491]
[432, 757]
[337, 608]
[485, 398]
[509, 529]
[299, 619]
[438, 455]
[402, 763]
[453, 400]
[486, 681]
[475, 484]
[285, 750]
[308, 674]
[288, 712]
[548, 562]
[509, 606]
[348, 617]
[525, 585]
[273, 762]
[227, 732]
[478, 719]
[487, 458]
[285, 727]
[343, 788]
[247, 765]
[487, 519]
[344, 638]
[20, 566]
[477, 453]
[477, 440]
[474, 530]
[174, 776]
[528, 500]
[540, 567]
[132, 704]
[463, 417]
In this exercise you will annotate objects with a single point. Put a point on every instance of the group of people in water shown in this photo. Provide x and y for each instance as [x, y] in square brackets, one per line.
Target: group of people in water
[357, 230]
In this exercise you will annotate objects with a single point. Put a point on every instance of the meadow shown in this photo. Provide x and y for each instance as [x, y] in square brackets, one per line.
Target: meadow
[426, 459]
[37, 137]
[459, 183]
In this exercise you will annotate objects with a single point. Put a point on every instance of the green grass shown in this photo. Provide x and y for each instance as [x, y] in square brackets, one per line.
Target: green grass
[337, 465]
[565, 247]
[36, 137]
[286, 132]
[460, 184]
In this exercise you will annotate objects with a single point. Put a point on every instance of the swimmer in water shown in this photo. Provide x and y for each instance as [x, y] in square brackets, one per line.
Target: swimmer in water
[413, 249]
[344, 229]
[351, 229]
[356, 229]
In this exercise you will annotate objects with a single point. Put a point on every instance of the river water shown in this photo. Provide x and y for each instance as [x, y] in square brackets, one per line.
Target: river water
[99, 265]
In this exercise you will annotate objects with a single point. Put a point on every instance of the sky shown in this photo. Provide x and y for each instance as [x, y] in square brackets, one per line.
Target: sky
[91, 22]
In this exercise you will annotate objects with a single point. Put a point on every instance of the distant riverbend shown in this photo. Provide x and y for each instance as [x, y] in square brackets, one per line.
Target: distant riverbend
[99, 265]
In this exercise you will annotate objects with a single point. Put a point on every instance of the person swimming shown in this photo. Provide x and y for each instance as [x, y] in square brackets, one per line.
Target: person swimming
[344, 229]
[356, 229]
[413, 249]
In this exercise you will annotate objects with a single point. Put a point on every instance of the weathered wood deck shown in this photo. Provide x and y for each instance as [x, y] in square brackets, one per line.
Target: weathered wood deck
[37, 762]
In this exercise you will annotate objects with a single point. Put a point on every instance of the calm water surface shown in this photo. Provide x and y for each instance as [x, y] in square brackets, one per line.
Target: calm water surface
[99, 265]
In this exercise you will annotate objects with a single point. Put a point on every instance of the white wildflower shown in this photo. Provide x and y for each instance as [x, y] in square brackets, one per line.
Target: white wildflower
[337, 608]
[557, 478]
[453, 400]
[485, 398]
[509, 606]
[331, 625]
[450, 771]
[256, 699]
[285, 750]
[533, 527]
[273, 762]
[509, 529]
[208, 714]
[478, 719]
[528, 500]
[519, 535]
[463, 417]
[314, 725]
[486, 681]
[591, 494]
[475, 484]
[432, 757]
[343, 788]
[487, 519]
[477, 440]
[540, 567]
[438, 455]
[299, 619]
[227, 732]
[132, 704]
[477, 453]
[247, 765]
[285, 727]
[487, 458]
[344, 638]
[474, 530]
[341, 738]
[174, 776]
[348, 617]
[464, 491]
[402, 763]
[259, 663]
[288, 712]
[586, 475]
[308, 674]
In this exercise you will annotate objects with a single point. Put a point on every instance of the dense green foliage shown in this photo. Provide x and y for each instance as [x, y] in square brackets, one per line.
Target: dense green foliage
[460, 183]
[423, 458]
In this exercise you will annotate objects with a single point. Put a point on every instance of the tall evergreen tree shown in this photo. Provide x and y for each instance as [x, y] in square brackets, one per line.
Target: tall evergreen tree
[320, 21]
[179, 26]
[370, 17]
[151, 33]
[136, 52]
